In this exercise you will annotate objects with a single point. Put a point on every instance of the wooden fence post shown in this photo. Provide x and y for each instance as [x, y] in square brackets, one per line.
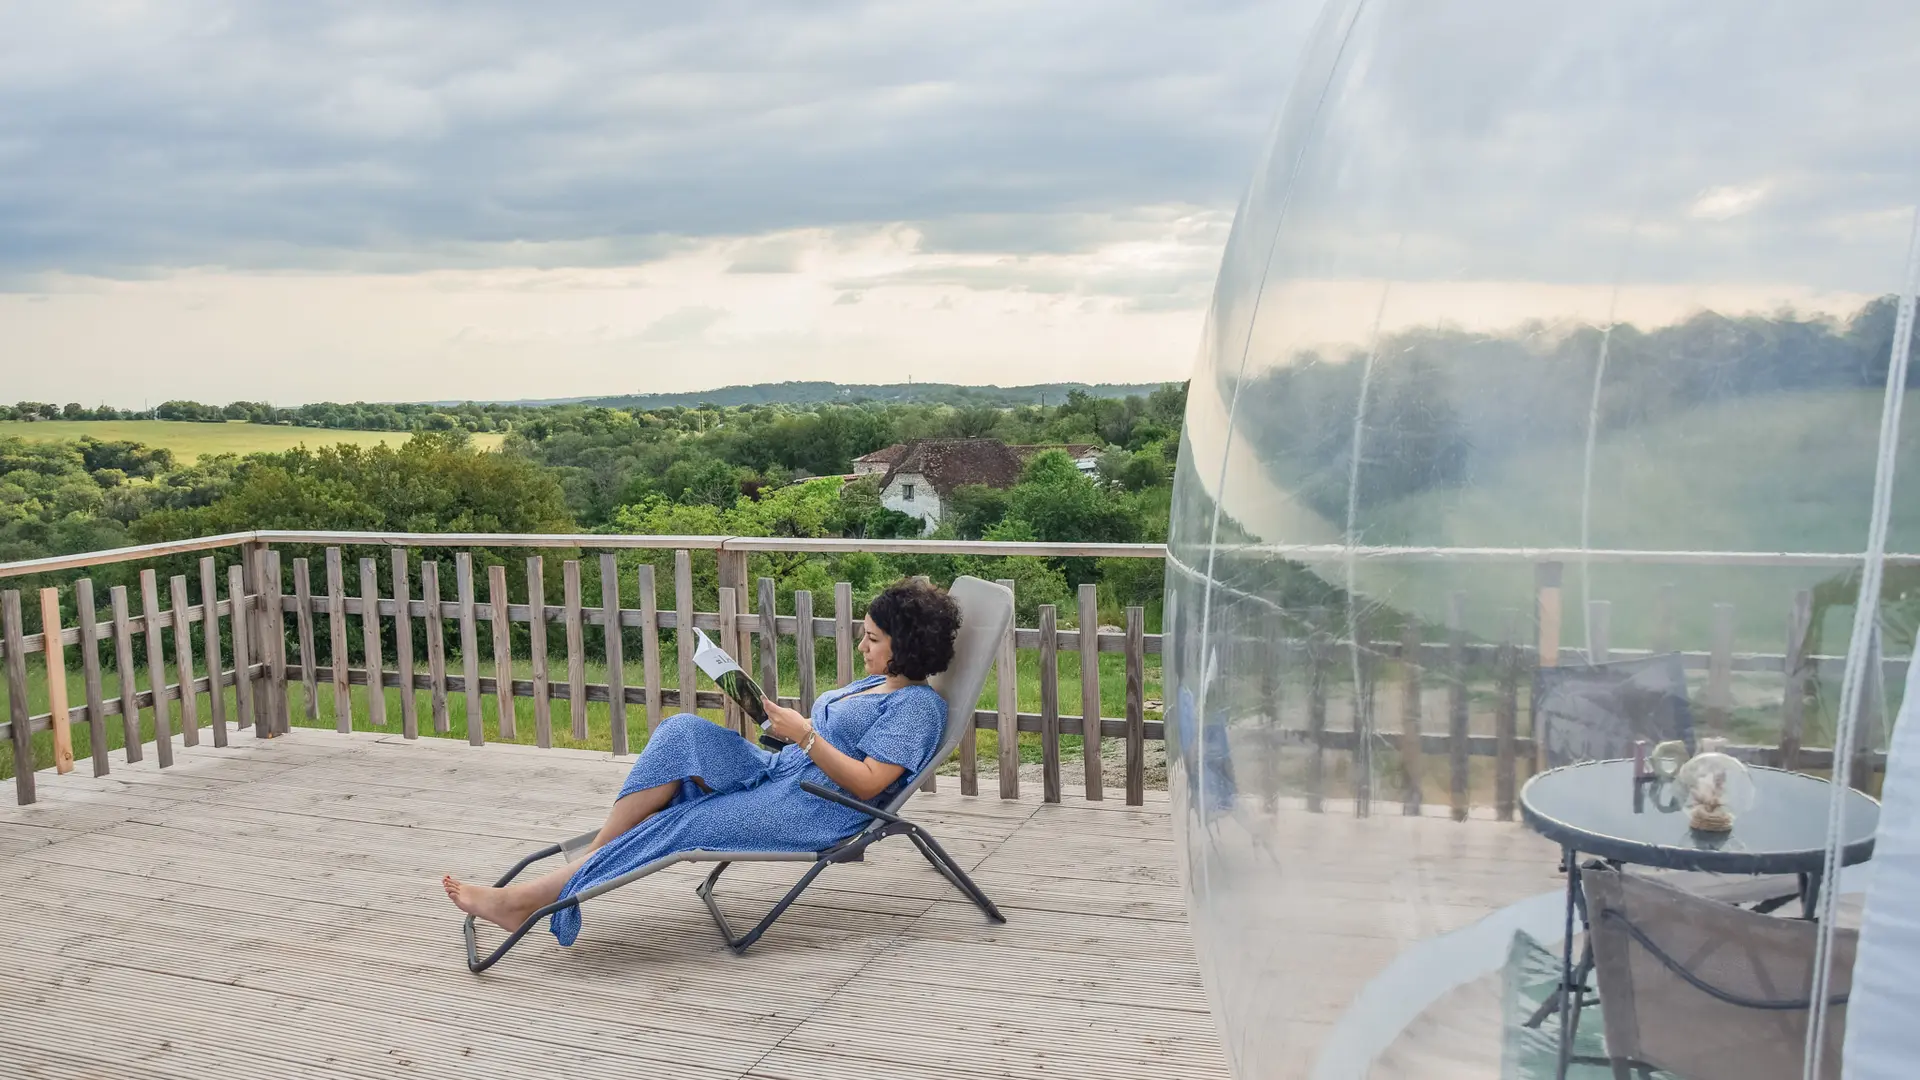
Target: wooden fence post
[683, 628]
[732, 570]
[1272, 703]
[17, 714]
[1412, 762]
[129, 679]
[153, 630]
[537, 651]
[803, 647]
[1007, 722]
[273, 598]
[182, 659]
[843, 632]
[769, 640]
[1457, 703]
[729, 638]
[210, 635]
[1506, 719]
[1793, 698]
[89, 618]
[53, 651]
[1546, 579]
[650, 643]
[1361, 653]
[253, 574]
[243, 683]
[1049, 705]
[576, 648]
[616, 652]
[370, 643]
[1089, 597]
[337, 636]
[403, 645]
[505, 721]
[470, 648]
[1136, 655]
[436, 644]
[303, 634]
[1316, 710]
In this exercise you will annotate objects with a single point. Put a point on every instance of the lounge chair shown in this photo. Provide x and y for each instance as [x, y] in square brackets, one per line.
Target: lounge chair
[986, 611]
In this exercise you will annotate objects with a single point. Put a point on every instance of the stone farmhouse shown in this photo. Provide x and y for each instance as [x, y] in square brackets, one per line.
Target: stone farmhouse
[918, 477]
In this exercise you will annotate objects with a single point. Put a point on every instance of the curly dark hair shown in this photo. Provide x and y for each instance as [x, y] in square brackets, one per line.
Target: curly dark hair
[922, 620]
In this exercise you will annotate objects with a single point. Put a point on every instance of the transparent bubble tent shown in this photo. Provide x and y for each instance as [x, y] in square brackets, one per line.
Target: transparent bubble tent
[1542, 582]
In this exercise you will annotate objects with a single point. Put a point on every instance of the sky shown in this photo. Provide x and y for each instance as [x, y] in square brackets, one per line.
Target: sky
[365, 201]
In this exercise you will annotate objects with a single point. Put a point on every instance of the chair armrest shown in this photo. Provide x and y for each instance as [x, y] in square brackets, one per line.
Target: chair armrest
[850, 803]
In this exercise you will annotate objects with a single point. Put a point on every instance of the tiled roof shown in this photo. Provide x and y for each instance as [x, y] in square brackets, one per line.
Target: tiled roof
[949, 463]
[1073, 450]
[886, 455]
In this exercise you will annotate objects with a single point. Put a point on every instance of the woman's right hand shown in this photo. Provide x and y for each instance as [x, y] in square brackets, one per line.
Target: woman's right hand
[790, 725]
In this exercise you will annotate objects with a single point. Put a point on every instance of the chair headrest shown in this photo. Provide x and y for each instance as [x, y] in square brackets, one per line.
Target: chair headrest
[986, 611]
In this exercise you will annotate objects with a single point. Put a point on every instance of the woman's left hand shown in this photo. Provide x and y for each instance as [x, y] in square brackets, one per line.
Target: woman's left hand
[789, 724]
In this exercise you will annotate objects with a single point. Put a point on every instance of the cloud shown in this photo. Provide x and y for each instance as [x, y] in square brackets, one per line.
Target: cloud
[362, 136]
[778, 255]
[683, 325]
[1726, 201]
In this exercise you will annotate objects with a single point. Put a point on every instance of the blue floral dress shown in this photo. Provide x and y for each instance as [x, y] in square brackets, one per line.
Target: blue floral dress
[751, 798]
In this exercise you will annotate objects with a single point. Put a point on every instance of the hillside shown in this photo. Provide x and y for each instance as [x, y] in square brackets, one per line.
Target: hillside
[1777, 472]
[813, 393]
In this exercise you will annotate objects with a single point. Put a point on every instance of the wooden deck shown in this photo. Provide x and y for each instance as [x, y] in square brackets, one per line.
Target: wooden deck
[273, 909]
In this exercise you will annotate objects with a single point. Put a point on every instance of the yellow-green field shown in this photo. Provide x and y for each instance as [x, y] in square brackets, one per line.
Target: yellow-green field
[189, 441]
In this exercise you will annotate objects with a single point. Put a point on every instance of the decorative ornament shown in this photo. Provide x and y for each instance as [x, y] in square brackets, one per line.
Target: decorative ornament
[1718, 789]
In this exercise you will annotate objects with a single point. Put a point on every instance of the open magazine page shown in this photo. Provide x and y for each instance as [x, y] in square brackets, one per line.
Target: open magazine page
[727, 675]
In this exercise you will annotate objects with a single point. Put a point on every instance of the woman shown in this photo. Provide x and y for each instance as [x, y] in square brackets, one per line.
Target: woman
[699, 786]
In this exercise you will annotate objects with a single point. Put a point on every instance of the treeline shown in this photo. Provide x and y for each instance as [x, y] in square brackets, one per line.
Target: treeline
[354, 416]
[1445, 405]
[753, 471]
[832, 393]
[609, 458]
[505, 416]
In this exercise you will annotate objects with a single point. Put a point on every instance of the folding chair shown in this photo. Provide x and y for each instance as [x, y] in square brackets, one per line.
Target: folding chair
[986, 611]
[1703, 990]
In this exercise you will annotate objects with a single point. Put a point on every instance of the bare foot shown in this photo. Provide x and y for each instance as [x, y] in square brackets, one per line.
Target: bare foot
[496, 906]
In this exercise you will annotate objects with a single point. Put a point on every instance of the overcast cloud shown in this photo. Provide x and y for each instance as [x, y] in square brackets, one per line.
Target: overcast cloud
[321, 200]
[149, 151]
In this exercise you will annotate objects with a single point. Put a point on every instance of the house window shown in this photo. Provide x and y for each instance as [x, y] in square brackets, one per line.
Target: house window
[906, 492]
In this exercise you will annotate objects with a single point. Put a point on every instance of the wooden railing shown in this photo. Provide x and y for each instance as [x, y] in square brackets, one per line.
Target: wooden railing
[279, 635]
[321, 610]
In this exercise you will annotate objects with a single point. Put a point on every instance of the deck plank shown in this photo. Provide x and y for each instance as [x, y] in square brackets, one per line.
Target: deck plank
[272, 908]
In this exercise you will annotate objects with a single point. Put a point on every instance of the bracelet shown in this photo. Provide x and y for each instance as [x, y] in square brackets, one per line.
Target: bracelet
[807, 747]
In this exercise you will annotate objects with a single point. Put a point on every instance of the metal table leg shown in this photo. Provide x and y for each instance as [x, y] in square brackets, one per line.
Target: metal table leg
[1569, 997]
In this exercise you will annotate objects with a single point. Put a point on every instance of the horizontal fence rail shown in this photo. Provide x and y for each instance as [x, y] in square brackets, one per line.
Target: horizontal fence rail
[254, 640]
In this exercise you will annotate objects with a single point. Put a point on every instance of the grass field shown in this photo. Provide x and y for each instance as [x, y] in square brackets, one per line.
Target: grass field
[189, 441]
[1789, 472]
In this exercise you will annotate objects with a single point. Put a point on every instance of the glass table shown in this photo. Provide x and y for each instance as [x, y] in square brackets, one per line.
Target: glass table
[1600, 810]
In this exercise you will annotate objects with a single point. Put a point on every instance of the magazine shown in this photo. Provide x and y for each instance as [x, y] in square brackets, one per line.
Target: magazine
[735, 683]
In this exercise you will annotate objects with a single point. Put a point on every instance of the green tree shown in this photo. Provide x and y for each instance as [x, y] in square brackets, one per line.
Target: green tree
[432, 483]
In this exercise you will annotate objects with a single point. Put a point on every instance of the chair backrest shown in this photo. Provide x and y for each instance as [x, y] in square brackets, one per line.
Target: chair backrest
[1594, 712]
[1642, 929]
[986, 611]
